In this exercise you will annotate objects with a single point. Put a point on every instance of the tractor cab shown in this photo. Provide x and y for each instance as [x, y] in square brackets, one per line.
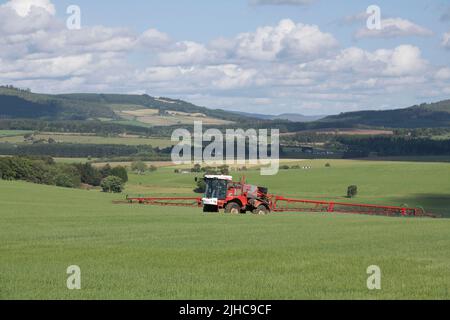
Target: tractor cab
[216, 191]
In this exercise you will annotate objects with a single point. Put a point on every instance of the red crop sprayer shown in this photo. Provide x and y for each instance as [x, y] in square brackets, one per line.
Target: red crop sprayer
[239, 197]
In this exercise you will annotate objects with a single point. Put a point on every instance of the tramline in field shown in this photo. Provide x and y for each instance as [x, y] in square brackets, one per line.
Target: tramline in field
[239, 197]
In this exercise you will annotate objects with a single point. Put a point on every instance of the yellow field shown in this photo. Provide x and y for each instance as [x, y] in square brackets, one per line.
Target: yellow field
[152, 117]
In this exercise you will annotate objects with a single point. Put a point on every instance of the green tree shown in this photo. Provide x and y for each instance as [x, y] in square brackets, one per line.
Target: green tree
[112, 184]
[201, 186]
[6, 172]
[120, 172]
[41, 173]
[224, 169]
[352, 191]
[106, 171]
[89, 174]
[64, 180]
[138, 167]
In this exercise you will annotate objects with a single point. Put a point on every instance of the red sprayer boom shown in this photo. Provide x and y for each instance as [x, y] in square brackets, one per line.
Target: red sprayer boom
[240, 197]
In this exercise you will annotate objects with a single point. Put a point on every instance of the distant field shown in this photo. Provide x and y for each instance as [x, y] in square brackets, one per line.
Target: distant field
[152, 117]
[10, 133]
[442, 137]
[413, 158]
[345, 132]
[91, 139]
[356, 132]
[145, 252]
[73, 160]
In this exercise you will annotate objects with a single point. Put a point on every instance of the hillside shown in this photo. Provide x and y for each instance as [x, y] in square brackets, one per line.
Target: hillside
[292, 117]
[144, 109]
[419, 116]
[16, 103]
[148, 111]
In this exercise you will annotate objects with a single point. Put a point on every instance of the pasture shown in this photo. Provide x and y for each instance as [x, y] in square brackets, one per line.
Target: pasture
[143, 252]
[12, 133]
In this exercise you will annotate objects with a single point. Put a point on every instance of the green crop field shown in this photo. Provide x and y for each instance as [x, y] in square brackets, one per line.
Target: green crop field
[12, 133]
[148, 252]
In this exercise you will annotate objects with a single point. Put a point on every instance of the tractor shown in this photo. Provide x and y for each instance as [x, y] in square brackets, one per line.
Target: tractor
[235, 197]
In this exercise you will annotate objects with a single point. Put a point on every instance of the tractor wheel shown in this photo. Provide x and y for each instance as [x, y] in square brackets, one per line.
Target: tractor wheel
[232, 208]
[210, 208]
[262, 209]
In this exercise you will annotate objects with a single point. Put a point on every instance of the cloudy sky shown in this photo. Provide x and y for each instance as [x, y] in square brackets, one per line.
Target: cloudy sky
[265, 56]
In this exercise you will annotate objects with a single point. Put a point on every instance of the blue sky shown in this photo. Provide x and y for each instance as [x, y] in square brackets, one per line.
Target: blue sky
[312, 58]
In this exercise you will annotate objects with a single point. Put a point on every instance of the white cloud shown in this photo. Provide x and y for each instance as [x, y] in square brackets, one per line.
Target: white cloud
[401, 61]
[158, 74]
[36, 47]
[394, 27]
[38, 20]
[47, 67]
[286, 40]
[443, 73]
[200, 78]
[233, 76]
[98, 39]
[24, 7]
[404, 60]
[153, 38]
[187, 52]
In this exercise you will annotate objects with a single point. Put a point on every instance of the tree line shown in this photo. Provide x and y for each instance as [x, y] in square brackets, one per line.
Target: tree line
[393, 146]
[78, 126]
[44, 170]
[71, 150]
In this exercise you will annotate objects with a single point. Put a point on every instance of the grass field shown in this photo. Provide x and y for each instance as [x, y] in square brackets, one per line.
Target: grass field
[175, 253]
[73, 160]
[379, 182]
[11, 133]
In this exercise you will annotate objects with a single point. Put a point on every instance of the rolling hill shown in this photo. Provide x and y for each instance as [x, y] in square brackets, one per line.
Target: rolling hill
[16, 103]
[419, 116]
[145, 110]
[23, 104]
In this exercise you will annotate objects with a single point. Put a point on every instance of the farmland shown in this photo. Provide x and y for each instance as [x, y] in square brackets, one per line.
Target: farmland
[171, 253]
[89, 139]
[12, 133]
[152, 117]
